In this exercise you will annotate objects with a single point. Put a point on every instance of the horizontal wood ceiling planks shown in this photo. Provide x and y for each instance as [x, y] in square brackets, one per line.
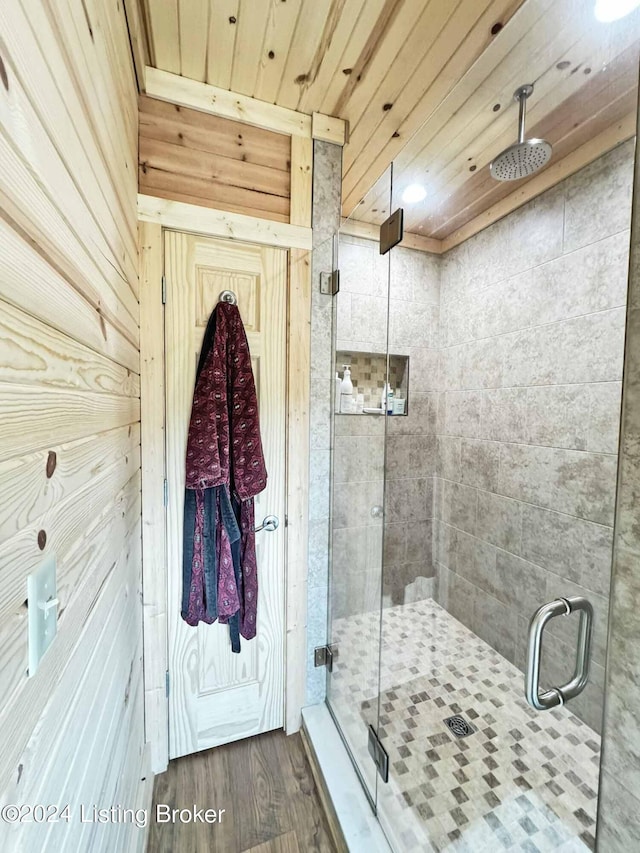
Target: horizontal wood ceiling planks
[417, 81]
[547, 178]
[585, 79]
[446, 40]
[189, 156]
[588, 113]
[380, 64]
[329, 56]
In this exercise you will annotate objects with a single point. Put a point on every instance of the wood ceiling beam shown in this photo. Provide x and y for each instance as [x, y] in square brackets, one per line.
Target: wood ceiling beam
[220, 223]
[210, 99]
[329, 128]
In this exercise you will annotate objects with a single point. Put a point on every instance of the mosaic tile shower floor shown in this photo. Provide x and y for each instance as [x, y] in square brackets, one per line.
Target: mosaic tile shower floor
[524, 780]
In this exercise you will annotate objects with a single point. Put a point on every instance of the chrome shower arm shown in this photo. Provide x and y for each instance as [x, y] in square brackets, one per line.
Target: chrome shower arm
[521, 118]
[521, 94]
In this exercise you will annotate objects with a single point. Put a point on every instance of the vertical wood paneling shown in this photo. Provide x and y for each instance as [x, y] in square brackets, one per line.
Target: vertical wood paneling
[152, 403]
[70, 418]
[299, 346]
[165, 34]
[302, 50]
[301, 180]
[223, 29]
[138, 38]
[277, 41]
[194, 31]
[336, 38]
[250, 47]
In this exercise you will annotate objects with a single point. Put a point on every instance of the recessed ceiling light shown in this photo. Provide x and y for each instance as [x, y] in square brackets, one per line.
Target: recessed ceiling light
[612, 10]
[416, 192]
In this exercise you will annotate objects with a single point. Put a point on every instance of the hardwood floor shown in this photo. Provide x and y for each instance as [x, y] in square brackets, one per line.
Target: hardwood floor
[264, 784]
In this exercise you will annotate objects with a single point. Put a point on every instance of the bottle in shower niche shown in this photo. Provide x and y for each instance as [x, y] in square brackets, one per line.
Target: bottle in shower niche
[386, 399]
[338, 391]
[346, 391]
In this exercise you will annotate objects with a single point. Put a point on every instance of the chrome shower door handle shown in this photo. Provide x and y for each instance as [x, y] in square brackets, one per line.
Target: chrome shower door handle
[558, 695]
[269, 523]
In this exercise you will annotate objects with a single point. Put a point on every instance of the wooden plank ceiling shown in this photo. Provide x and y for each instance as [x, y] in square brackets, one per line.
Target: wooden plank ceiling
[424, 83]
[585, 76]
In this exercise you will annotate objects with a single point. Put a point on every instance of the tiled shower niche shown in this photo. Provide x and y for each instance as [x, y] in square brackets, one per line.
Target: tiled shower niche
[368, 375]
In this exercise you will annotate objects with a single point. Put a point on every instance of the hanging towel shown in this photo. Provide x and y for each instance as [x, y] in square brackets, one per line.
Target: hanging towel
[225, 470]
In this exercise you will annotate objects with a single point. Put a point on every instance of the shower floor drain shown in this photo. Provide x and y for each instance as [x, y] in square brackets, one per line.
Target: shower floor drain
[459, 726]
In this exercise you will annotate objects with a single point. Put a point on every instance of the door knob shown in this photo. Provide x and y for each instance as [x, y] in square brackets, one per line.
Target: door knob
[269, 523]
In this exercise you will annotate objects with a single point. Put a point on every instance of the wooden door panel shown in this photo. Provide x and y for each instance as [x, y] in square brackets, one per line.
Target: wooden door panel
[217, 696]
[246, 285]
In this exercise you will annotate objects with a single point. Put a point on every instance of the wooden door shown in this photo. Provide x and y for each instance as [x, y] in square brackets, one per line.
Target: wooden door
[216, 696]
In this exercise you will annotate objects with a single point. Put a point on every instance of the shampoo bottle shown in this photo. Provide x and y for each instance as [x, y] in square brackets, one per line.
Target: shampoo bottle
[346, 391]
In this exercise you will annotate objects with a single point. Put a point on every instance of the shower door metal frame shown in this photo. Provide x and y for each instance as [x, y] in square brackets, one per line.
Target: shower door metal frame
[390, 235]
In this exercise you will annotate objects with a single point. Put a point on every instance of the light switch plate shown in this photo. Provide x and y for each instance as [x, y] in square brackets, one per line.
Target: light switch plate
[43, 610]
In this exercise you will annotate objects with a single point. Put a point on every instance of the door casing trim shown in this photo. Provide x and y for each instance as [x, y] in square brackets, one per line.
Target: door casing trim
[154, 530]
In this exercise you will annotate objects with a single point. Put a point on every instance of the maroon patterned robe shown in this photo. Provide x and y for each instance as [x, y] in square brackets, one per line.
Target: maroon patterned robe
[224, 448]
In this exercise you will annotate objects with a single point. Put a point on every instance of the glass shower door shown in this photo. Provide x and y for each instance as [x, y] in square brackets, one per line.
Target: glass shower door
[500, 489]
[359, 379]
[481, 505]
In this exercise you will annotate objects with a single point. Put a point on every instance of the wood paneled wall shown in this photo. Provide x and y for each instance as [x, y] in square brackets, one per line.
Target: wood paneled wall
[69, 419]
[189, 156]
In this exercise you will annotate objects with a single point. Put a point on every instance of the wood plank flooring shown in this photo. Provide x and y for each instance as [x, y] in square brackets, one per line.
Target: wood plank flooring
[265, 785]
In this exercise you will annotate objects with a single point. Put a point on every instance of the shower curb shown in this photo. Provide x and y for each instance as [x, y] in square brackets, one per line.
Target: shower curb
[359, 827]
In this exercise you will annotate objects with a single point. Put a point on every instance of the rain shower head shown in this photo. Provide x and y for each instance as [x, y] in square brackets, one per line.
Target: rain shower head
[524, 157]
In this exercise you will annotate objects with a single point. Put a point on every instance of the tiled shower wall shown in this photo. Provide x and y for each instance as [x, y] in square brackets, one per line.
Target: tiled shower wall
[515, 341]
[327, 177]
[359, 461]
[619, 805]
[532, 325]
[414, 317]
[369, 374]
